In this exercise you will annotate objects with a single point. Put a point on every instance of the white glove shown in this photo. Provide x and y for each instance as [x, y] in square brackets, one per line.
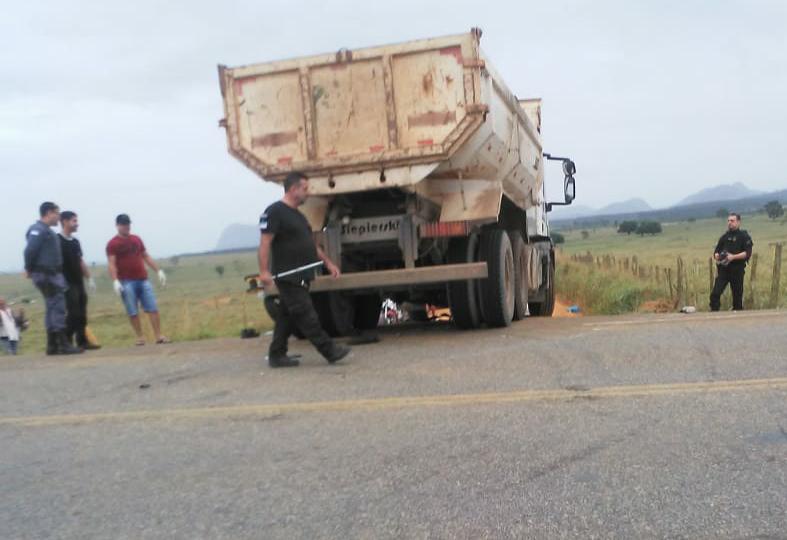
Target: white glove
[162, 278]
[118, 287]
[91, 285]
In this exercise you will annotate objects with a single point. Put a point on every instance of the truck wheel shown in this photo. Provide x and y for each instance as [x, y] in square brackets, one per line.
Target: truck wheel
[520, 275]
[336, 313]
[545, 308]
[463, 297]
[272, 307]
[498, 289]
[367, 311]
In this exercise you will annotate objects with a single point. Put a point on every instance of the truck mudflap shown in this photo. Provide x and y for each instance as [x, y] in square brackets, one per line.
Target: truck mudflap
[389, 279]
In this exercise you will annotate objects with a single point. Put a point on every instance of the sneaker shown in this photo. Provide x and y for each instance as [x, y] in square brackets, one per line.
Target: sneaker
[339, 352]
[284, 361]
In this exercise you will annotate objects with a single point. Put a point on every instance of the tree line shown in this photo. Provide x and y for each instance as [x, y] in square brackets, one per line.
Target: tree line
[639, 227]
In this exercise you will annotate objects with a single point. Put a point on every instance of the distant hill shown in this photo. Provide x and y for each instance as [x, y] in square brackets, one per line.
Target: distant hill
[724, 192]
[238, 236]
[631, 205]
[744, 205]
[571, 212]
[578, 211]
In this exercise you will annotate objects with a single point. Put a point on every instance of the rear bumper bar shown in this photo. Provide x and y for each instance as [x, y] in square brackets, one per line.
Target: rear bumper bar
[393, 279]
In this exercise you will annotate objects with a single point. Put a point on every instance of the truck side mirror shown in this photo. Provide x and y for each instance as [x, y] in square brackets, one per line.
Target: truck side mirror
[569, 184]
[569, 188]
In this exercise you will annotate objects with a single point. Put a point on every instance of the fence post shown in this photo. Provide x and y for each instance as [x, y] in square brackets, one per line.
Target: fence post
[681, 284]
[669, 283]
[751, 301]
[777, 273]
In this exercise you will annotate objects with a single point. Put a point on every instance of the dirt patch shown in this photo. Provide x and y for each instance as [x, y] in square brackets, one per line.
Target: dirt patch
[656, 306]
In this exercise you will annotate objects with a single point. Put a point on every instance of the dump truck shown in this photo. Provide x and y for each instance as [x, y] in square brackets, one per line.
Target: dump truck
[426, 176]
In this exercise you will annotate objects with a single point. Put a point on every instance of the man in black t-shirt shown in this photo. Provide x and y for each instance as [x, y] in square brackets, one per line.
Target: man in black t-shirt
[75, 271]
[732, 251]
[287, 236]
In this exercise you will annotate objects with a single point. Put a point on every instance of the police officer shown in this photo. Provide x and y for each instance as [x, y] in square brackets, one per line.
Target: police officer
[287, 235]
[732, 251]
[44, 265]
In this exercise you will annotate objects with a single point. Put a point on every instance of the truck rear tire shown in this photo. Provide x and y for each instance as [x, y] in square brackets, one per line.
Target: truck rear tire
[463, 297]
[520, 278]
[367, 311]
[499, 287]
[336, 313]
[545, 308]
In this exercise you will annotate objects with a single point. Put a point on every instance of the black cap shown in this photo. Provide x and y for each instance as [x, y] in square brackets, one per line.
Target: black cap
[122, 219]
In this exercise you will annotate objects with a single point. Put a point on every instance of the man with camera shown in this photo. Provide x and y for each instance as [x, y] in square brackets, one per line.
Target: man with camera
[732, 251]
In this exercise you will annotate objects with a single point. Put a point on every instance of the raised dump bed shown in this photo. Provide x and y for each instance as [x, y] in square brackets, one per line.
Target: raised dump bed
[389, 116]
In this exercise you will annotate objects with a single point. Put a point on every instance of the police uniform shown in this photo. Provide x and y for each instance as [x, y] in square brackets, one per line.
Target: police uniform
[44, 263]
[292, 247]
[732, 242]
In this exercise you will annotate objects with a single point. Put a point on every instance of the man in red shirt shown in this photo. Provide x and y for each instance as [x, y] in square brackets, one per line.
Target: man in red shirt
[127, 259]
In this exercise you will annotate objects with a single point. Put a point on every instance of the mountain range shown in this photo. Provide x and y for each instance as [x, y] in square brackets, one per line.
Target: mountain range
[723, 192]
[720, 193]
[578, 211]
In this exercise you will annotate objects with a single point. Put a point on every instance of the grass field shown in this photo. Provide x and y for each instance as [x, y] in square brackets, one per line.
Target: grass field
[197, 303]
[605, 286]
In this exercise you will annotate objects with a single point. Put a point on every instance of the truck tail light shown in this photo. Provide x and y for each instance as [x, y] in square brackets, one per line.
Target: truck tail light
[445, 228]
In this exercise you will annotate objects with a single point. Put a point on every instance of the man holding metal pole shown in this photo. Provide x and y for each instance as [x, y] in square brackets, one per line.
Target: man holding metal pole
[287, 236]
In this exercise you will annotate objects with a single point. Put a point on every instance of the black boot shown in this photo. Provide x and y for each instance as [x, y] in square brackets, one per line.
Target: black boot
[339, 352]
[51, 345]
[284, 361]
[64, 346]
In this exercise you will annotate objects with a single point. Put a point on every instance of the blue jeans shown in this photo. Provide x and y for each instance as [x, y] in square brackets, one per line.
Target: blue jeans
[138, 291]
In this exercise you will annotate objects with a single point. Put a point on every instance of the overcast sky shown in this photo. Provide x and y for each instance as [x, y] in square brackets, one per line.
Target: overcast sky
[109, 107]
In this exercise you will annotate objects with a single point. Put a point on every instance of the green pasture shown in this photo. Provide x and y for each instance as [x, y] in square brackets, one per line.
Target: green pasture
[612, 272]
[197, 303]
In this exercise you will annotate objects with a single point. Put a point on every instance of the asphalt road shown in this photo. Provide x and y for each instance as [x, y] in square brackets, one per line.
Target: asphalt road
[637, 427]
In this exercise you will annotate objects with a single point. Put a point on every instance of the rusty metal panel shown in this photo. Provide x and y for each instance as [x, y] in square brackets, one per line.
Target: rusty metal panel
[355, 111]
[350, 108]
[464, 199]
[269, 117]
[429, 96]
[388, 117]
[532, 108]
